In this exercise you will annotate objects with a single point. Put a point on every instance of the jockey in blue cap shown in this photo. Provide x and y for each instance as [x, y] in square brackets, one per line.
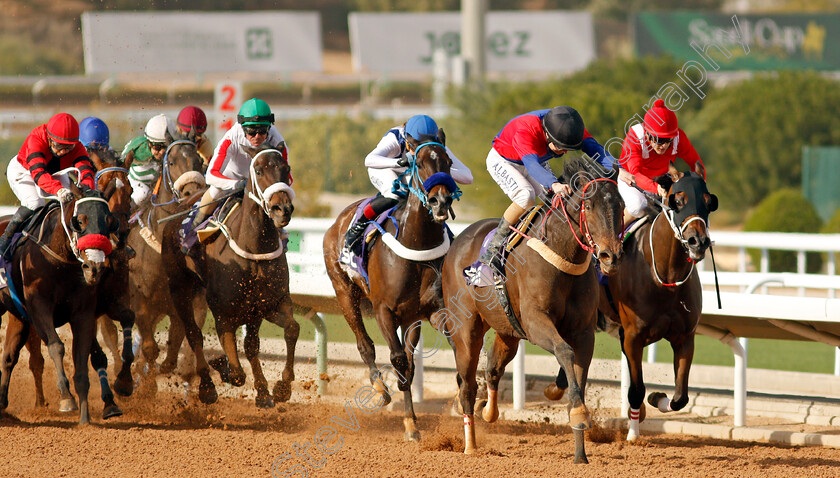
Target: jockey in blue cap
[94, 134]
[385, 164]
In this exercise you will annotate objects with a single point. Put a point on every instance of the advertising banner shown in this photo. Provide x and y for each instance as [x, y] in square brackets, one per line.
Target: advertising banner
[548, 41]
[742, 42]
[196, 42]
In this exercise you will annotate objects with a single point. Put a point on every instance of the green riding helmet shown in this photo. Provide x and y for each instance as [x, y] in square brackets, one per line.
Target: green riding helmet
[255, 111]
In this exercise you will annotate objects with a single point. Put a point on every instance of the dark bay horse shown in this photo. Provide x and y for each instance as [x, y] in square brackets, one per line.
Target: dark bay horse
[181, 180]
[112, 182]
[56, 272]
[657, 294]
[245, 274]
[404, 284]
[553, 294]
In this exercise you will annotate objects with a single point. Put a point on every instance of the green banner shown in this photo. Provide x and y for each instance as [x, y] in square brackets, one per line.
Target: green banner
[742, 42]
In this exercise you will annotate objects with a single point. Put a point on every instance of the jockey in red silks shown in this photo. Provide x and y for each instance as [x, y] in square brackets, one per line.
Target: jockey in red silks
[388, 161]
[518, 161]
[48, 149]
[647, 151]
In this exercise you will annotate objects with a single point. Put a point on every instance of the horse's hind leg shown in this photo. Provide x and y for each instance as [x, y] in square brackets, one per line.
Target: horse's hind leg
[36, 365]
[56, 348]
[467, 352]
[349, 301]
[206, 389]
[100, 363]
[291, 330]
[683, 355]
[252, 352]
[123, 384]
[501, 353]
[17, 334]
[111, 338]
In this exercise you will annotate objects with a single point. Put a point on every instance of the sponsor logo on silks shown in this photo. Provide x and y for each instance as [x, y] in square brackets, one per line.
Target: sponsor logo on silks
[504, 177]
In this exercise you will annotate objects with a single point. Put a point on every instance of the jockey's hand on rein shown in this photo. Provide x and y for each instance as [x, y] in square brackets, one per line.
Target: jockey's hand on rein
[240, 185]
[65, 196]
[402, 162]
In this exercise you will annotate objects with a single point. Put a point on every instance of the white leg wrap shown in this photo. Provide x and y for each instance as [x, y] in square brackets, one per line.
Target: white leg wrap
[633, 431]
[664, 405]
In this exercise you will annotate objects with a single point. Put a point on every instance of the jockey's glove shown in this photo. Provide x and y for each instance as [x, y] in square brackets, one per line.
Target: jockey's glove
[65, 196]
[402, 162]
[241, 184]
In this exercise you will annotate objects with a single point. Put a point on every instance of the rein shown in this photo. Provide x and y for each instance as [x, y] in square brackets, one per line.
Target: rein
[166, 177]
[678, 235]
[583, 225]
[413, 173]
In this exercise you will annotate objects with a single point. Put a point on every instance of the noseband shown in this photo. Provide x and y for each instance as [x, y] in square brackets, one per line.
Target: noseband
[261, 197]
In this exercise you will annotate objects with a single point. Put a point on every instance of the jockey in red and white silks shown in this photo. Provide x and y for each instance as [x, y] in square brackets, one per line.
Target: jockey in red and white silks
[231, 163]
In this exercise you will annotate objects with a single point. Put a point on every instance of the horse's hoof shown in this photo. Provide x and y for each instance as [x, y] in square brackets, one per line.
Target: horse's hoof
[282, 391]
[632, 435]
[412, 436]
[167, 367]
[553, 392]
[123, 388]
[237, 377]
[580, 446]
[264, 401]
[654, 399]
[67, 405]
[111, 411]
[469, 451]
[490, 415]
[207, 393]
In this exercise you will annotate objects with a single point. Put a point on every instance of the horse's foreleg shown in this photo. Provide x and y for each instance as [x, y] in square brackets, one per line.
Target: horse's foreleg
[99, 361]
[84, 333]
[228, 365]
[633, 347]
[291, 330]
[412, 338]
[175, 339]
[501, 353]
[206, 389]
[17, 334]
[111, 338]
[36, 366]
[123, 384]
[252, 352]
[56, 349]
[683, 355]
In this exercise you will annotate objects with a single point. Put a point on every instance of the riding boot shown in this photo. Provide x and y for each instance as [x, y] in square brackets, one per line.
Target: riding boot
[15, 224]
[354, 233]
[492, 256]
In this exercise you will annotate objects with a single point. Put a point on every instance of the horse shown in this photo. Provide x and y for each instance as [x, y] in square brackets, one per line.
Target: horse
[53, 292]
[552, 290]
[112, 182]
[657, 294]
[148, 283]
[244, 273]
[404, 279]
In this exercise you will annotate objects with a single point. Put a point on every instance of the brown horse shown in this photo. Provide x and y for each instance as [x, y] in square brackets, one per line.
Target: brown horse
[656, 293]
[112, 182]
[54, 291]
[245, 274]
[552, 292]
[181, 180]
[404, 279]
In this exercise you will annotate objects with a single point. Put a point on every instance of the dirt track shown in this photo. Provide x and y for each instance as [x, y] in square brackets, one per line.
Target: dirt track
[168, 437]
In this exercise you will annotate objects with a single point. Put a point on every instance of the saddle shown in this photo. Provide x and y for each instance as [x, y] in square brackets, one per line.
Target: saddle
[361, 248]
[208, 233]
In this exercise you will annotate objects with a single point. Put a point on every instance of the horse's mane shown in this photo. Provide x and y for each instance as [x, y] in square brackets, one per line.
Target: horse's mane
[585, 171]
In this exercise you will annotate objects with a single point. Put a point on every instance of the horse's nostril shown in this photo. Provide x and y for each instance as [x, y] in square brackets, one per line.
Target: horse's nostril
[692, 241]
[605, 257]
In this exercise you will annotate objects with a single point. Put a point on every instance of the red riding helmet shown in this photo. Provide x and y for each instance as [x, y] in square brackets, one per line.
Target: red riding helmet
[660, 121]
[192, 117]
[63, 128]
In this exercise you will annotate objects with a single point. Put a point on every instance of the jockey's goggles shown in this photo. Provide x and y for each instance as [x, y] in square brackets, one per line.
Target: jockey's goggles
[157, 146]
[659, 141]
[61, 148]
[253, 130]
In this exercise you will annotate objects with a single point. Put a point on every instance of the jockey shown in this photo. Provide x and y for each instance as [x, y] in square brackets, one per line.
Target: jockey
[48, 149]
[192, 118]
[518, 161]
[94, 134]
[647, 151]
[145, 155]
[385, 164]
[231, 164]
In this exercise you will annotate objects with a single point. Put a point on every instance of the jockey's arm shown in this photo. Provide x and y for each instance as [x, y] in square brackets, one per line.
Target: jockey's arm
[385, 155]
[459, 171]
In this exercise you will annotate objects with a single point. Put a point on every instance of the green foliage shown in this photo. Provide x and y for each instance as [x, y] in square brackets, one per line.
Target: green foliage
[20, 57]
[785, 211]
[750, 134]
[832, 226]
[8, 149]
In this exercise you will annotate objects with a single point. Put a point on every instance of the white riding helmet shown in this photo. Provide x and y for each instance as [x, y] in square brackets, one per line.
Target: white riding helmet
[157, 127]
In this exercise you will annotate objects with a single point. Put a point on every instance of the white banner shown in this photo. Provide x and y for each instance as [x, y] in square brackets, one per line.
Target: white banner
[196, 42]
[552, 41]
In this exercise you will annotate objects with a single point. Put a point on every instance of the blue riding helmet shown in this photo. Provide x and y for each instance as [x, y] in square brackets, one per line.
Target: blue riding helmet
[93, 133]
[421, 128]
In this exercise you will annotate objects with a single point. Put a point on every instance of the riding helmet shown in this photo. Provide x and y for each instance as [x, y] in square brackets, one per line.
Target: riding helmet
[93, 133]
[564, 127]
[422, 128]
[661, 121]
[157, 128]
[63, 128]
[192, 117]
[255, 111]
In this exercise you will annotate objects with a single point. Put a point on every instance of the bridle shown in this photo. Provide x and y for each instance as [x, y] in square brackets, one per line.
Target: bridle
[583, 225]
[166, 177]
[262, 196]
[413, 173]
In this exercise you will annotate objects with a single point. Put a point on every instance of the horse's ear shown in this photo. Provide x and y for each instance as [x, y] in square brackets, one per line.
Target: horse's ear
[675, 173]
[441, 137]
[712, 203]
[672, 201]
[129, 158]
